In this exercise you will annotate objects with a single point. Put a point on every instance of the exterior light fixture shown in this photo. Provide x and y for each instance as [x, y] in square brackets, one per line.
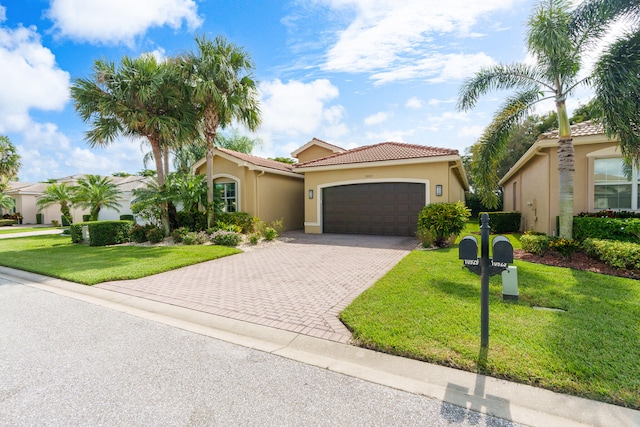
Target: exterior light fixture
[438, 190]
[311, 194]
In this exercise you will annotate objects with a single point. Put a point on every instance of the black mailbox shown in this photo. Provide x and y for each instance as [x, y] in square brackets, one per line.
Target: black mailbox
[502, 250]
[468, 248]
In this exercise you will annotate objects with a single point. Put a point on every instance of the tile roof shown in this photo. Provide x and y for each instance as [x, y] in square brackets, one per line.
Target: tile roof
[587, 128]
[258, 161]
[380, 152]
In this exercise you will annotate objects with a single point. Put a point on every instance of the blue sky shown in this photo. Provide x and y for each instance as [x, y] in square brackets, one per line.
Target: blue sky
[349, 72]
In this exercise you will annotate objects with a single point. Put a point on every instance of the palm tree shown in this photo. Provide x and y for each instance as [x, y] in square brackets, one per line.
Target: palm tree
[558, 38]
[96, 192]
[59, 194]
[139, 98]
[6, 202]
[9, 162]
[223, 91]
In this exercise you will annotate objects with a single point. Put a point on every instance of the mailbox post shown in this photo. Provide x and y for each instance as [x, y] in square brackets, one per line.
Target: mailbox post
[485, 267]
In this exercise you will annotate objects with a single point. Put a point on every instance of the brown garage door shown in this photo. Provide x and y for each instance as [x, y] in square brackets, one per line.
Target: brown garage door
[389, 208]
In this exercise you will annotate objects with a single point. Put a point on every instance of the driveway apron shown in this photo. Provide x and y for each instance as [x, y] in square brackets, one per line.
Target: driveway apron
[299, 284]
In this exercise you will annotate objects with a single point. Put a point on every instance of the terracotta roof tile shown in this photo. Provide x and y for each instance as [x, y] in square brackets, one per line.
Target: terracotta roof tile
[258, 161]
[380, 152]
[587, 128]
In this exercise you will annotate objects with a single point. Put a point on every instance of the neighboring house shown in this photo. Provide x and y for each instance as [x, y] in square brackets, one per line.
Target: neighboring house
[377, 189]
[25, 196]
[601, 181]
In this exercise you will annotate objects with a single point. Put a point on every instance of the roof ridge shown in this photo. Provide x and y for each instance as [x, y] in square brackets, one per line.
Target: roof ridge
[247, 157]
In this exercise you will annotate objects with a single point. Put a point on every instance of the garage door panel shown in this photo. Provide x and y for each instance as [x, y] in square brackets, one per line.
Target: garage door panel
[373, 208]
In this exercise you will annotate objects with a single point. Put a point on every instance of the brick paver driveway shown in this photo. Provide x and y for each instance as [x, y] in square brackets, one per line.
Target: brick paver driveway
[299, 284]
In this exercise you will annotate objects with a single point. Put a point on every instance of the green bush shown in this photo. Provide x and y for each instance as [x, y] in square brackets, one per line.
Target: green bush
[425, 237]
[623, 230]
[270, 233]
[226, 238]
[194, 221]
[195, 238]
[126, 217]
[103, 233]
[614, 254]
[7, 222]
[565, 247]
[443, 220]
[179, 233]
[155, 235]
[246, 222]
[535, 243]
[66, 221]
[138, 233]
[220, 225]
[85, 218]
[75, 230]
[504, 222]
[254, 238]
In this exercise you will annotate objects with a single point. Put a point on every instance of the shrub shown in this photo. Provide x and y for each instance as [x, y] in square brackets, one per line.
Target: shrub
[228, 227]
[254, 238]
[270, 233]
[194, 221]
[226, 238]
[126, 217]
[504, 222]
[155, 235]
[75, 230]
[535, 243]
[443, 220]
[610, 214]
[246, 222]
[138, 233]
[85, 218]
[623, 230]
[425, 237]
[614, 254]
[7, 222]
[179, 233]
[55, 223]
[195, 238]
[103, 233]
[565, 247]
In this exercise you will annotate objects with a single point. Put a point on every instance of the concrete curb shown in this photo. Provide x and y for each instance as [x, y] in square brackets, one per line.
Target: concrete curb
[512, 401]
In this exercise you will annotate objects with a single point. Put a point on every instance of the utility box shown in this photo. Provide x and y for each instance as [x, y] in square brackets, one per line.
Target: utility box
[510, 284]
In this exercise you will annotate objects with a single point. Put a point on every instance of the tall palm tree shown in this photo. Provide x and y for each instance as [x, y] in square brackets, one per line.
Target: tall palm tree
[96, 192]
[558, 38]
[139, 98]
[9, 162]
[223, 91]
[59, 194]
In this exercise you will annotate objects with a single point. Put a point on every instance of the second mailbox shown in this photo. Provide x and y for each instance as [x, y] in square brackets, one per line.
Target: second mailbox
[502, 250]
[468, 248]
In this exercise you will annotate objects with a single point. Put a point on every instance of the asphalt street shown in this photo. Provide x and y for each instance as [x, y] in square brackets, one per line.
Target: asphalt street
[69, 362]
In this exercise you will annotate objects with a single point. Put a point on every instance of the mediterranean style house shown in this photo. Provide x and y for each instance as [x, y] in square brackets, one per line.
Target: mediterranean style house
[376, 189]
[601, 180]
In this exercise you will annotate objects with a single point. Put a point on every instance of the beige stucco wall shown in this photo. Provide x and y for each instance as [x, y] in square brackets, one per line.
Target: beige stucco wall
[431, 174]
[266, 195]
[537, 190]
[314, 152]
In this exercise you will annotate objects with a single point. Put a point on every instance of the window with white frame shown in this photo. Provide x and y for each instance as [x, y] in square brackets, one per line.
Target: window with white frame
[615, 184]
[227, 193]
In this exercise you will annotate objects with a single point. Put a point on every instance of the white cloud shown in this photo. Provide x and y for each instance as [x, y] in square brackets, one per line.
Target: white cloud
[377, 118]
[388, 38]
[471, 131]
[119, 21]
[30, 78]
[414, 103]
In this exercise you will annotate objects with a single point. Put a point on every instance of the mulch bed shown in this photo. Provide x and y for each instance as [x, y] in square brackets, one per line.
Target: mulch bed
[579, 261]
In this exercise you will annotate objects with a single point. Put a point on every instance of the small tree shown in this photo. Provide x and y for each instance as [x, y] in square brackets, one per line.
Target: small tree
[6, 202]
[96, 192]
[443, 221]
[59, 194]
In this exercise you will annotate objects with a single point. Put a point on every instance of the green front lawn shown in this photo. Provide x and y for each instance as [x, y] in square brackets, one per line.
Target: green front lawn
[56, 256]
[11, 230]
[428, 308]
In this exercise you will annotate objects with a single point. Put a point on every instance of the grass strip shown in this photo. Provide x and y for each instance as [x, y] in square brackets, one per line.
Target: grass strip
[56, 256]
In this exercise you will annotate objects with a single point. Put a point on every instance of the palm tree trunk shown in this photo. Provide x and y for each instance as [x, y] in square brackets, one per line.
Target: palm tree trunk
[165, 159]
[566, 169]
[210, 210]
[157, 157]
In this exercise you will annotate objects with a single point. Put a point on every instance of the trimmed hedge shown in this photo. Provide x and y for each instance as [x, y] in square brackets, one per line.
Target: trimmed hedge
[614, 254]
[535, 243]
[623, 230]
[503, 222]
[102, 233]
[7, 222]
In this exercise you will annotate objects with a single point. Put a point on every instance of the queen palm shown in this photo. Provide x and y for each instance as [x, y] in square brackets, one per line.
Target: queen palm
[223, 91]
[558, 38]
[139, 98]
[96, 192]
[59, 194]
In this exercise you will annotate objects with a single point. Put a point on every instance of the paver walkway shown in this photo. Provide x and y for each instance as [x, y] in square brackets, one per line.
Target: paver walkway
[299, 284]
